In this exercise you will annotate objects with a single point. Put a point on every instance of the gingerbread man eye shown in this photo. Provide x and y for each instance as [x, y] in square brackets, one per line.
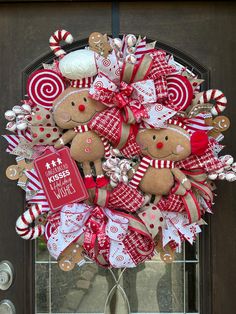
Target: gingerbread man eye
[72, 103]
[85, 99]
[154, 137]
[166, 138]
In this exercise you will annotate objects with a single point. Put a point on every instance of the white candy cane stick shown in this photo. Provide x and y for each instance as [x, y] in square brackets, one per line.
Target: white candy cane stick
[26, 219]
[54, 41]
[218, 97]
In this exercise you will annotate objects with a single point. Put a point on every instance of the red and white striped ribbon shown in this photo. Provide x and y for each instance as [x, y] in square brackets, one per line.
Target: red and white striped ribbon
[142, 49]
[83, 83]
[33, 181]
[54, 41]
[218, 97]
[198, 123]
[40, 199]
[13, 141]
[81, 129]
[35, 185]
[160, 164]
[26, 219]
[107, 147]
[178, 123]
[26, 134]
[144, 164]
[124, 45]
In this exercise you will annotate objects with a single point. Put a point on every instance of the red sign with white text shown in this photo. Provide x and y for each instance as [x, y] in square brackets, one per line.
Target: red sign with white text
[60, 178]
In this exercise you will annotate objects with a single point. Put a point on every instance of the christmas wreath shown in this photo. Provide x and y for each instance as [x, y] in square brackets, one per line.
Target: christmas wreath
[117, 148]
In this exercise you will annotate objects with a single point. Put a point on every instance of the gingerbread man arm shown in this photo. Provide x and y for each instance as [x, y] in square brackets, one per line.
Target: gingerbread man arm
[65, 139]
[132, 171]
[180, 176]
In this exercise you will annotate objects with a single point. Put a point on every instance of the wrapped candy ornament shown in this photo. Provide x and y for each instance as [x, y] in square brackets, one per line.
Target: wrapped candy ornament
[227, 172]
[120, 95]
[17, 117]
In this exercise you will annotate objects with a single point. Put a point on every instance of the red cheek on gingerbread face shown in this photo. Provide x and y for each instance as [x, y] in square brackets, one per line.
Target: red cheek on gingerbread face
[63, 116]
[179, 148]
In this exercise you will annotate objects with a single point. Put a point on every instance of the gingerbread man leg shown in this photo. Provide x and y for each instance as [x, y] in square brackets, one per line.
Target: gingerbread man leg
[156, 199]
[88, 180]
[101, 180]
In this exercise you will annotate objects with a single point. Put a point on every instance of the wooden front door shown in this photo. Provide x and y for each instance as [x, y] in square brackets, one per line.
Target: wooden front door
[202, 280]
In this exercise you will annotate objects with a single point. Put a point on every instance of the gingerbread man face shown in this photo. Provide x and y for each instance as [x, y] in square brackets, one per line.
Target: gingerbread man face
[13, 172]
[74, 107]
[171, 143]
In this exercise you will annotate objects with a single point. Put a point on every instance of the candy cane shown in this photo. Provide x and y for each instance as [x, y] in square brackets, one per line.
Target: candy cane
[218, 97]
[26, 219]
[54, 41]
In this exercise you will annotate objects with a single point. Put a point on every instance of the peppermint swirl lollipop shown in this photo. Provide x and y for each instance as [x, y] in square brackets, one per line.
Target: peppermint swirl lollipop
[180, 92]
[44, 86]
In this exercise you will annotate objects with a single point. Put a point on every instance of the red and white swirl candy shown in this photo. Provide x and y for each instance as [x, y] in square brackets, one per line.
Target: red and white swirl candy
[217, 96]
[180, 91]
[23, 223]
[44, 86]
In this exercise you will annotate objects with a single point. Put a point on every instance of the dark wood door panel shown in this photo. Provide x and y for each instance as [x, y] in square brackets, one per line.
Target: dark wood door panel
[25, 29]
[204, 30]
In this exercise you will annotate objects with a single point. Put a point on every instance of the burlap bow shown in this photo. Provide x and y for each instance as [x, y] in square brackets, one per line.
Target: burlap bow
[105, 235]
[68, 225]
[42, 127]
[130, 93]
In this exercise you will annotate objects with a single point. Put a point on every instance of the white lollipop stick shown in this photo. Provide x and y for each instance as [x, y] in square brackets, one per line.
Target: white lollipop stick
[218, 97]
[26, 219]
[54, 41]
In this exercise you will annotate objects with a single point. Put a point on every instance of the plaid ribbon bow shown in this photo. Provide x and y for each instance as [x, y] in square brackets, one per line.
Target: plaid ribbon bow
[129, 90]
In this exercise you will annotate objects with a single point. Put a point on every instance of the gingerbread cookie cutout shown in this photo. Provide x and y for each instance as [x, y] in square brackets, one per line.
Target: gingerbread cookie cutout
[167, 254]
[72, 255]
[17, 172]
[220, 124]
[99, 43]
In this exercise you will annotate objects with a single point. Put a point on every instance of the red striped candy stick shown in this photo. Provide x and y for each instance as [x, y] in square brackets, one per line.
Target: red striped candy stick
[23, 223]
[54, 41]
[218, 97]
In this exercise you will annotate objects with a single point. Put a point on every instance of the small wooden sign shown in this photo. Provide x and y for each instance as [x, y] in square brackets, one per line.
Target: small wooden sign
[60, 178]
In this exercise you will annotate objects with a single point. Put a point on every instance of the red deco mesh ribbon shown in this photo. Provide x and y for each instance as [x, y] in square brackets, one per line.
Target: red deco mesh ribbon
[122, 197]
[109, 124]
[172, 203]
[126, 198]
[160, 68]
[139, 246]
[208, 162]
[188, 201]
[137, 241]
[96, 242]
